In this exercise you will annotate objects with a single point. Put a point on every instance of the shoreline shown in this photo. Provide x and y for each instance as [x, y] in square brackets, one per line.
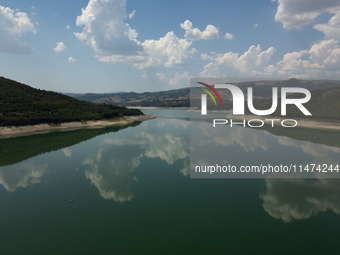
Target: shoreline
[11, 131]
[303, 123]
[154, 107]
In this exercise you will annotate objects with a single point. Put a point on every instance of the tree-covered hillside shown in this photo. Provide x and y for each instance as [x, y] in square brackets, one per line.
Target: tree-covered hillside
[23, 105]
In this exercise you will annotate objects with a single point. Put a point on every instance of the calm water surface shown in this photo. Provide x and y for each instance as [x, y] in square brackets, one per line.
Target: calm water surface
[132, 194]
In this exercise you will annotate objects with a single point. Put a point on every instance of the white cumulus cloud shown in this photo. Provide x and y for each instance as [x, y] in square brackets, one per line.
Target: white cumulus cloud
[210, 32]
[168, 51]
[182, 80]
[252, 62]
[114, 41]
[70, 59]
[60, 47]
[105, 30]
[322, 60]
[13, 24]
[132, 14]
[295, 14]
[331, 29]
[161, 76]
[228, 36]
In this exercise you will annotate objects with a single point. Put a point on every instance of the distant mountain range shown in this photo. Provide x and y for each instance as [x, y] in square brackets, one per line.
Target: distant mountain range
[181, 97]
[73, 94]
[170, 98]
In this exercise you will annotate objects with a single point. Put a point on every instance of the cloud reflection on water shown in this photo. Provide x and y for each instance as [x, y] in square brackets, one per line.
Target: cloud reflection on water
[240, 146]
[21, 175]
[112, 168]
[289, 199]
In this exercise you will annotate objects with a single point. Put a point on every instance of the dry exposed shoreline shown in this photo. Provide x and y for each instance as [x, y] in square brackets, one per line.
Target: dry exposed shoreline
[154, 107]
[11, 131]
[301, 122]
[304, 123]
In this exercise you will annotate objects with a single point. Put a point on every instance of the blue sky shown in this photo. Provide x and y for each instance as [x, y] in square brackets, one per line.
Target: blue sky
[116, 45]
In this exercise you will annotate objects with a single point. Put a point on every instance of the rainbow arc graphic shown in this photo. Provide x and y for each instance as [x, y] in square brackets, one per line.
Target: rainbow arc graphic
[208, 92]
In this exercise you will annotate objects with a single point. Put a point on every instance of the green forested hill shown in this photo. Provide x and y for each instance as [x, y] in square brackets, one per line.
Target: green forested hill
[23, 105]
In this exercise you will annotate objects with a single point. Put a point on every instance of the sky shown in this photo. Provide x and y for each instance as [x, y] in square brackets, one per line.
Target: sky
[103, 46]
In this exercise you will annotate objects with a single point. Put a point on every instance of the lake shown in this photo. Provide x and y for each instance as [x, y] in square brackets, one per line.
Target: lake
[132, 193]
